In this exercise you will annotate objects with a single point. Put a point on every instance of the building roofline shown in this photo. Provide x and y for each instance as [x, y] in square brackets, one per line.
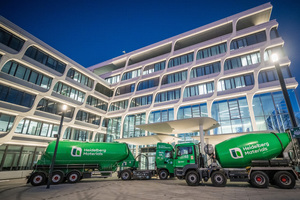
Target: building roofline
[185, 34]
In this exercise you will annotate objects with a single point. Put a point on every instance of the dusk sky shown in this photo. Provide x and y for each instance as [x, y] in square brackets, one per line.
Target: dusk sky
[93, 31]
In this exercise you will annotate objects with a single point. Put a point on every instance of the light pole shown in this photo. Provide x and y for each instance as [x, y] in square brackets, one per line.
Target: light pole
[275, 59]
[64, 108]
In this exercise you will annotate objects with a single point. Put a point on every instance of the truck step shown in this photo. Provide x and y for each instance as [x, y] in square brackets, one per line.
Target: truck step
[241, 179]
[101, 174]
[142, 174]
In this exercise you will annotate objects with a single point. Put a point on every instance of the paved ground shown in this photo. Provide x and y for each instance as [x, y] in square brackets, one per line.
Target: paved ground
[112, 188]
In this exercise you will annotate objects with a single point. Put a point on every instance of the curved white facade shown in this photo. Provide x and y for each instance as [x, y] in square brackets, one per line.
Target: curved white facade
[242, 25]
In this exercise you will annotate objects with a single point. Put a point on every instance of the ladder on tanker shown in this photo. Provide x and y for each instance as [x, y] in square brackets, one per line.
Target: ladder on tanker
[295, 135]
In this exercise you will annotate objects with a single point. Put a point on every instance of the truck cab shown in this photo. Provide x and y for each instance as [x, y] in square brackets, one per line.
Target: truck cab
[164, 160]
[186, 156]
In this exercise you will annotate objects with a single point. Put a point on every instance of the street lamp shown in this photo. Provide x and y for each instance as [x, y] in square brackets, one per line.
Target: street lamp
[63, 108]
[275, 59]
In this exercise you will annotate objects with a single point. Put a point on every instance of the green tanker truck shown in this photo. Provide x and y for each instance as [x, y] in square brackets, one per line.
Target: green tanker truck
[77, 160]
[259, 159]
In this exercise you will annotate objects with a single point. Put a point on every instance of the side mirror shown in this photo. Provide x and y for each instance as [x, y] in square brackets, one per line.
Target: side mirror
[178, 153]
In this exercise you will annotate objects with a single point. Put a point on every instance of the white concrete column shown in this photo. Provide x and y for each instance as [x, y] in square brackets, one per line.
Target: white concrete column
[201, 138]
[251, 112]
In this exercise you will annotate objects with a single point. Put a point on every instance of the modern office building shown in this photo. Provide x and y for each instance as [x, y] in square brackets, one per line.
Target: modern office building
[221, 70]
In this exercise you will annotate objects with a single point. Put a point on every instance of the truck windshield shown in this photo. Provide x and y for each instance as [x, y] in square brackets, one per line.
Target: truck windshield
[185, 150]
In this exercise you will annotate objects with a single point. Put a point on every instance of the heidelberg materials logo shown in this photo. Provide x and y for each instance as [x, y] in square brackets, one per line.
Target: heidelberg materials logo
[236, 153]
[76, 151]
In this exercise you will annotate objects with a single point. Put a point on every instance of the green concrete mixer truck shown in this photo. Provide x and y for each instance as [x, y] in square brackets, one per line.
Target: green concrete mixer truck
[77, 160]
[258, 158]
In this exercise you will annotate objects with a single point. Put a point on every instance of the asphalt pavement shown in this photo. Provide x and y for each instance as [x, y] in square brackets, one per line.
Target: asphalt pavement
[155, 189]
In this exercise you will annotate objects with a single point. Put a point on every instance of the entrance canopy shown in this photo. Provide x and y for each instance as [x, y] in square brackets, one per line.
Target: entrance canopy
[181, 126]
[152, 139]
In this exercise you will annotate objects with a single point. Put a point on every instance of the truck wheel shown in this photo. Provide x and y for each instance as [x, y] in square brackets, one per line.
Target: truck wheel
[57, 177]
[126, 175]
[218, 179]
[163, 174]
[284, 180]
[192, 178]
[259, 179]
[73, 177]
[37, 179]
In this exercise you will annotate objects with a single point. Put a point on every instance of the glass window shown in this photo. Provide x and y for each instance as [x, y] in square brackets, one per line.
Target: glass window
[45, 59]
[175, 77]
[11, 40]
[80, 78]
[156, 116]
[53, 107]
[271, 112]
[197, 90]
[242, 61]
[95, 102]
[15, 69]
[211, 51]
[205, 69]
[141, 101]
[248, 40]
[168, 95]
[113, 79]
[15, 96]
[181, 60]
[154, 67]
[148, 84]
[68, 91]
[233, 115]
[32, 127]
[6, 122]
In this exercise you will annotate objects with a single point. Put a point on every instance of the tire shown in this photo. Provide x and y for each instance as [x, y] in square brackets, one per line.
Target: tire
[218, 179]
[259, 179]
[37, 179]
[73, 177]
[163, 174]
[57, 177]
[284, 180]
[192, 178]
[125, 175]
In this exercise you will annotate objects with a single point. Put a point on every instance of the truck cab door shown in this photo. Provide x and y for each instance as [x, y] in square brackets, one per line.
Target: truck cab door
[185, 155]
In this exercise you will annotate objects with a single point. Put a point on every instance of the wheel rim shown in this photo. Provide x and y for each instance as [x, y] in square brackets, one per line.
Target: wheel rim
[285, 180]
[38, 179]
[259, 179]
[73, 177]
[125, 175]
[56, 178]
[219, 179]
[193, 178]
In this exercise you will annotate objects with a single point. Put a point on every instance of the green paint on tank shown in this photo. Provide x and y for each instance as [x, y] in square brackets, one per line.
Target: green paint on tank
[107, 155]
[239, 151]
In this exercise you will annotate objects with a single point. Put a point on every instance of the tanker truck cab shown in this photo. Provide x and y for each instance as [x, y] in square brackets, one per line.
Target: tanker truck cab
[164, 160]
[187, 158]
